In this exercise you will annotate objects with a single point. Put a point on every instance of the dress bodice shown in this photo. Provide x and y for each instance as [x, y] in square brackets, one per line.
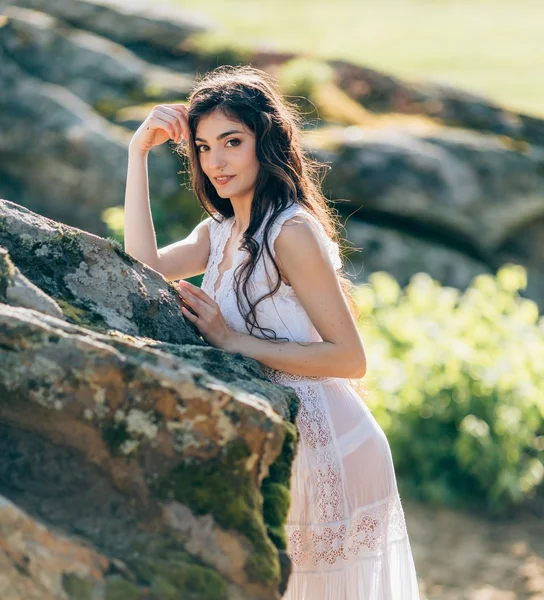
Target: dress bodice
[282, 312]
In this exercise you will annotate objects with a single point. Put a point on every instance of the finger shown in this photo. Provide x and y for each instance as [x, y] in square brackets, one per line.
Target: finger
[178, 106]
[182, 111]
[169, 109]
[189, 315]
[170, 118]
[198, 305]
[196, 291]
[164, 125]
[189, 285]
[175, 114]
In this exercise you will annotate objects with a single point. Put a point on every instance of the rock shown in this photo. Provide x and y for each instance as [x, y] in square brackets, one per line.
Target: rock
[128, 23]
[37, 564]
[17, 290]
[159, 453]
[403, 254]
[384, 93]
[458, 190]
[55, 146]
[93, 280]
[525, 245]
[104, 74]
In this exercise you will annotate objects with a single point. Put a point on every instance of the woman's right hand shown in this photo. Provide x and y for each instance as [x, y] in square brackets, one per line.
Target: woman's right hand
[164, 122]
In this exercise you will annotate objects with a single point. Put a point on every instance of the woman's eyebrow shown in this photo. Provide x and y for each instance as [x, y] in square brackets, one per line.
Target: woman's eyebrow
[221, 135]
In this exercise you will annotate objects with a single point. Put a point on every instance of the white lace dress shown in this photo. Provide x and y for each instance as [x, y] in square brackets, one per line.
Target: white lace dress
[347, 536]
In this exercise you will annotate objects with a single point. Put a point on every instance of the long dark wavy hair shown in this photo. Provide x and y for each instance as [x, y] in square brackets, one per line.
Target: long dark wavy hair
[252, 97]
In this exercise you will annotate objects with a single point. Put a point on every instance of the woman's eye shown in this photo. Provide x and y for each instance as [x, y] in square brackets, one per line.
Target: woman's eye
[238, 142]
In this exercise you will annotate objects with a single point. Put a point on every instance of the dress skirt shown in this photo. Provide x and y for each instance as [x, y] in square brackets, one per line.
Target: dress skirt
[346, 530]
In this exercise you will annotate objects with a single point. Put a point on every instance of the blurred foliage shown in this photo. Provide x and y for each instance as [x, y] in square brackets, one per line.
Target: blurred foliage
[213, 50]
[456, 380]
[310, 85]
[300, 80]
[489, 47]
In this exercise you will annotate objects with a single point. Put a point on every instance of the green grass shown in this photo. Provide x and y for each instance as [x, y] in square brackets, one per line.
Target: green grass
[490, 47]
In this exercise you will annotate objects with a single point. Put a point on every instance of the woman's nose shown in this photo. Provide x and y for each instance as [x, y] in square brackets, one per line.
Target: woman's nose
[216, 159]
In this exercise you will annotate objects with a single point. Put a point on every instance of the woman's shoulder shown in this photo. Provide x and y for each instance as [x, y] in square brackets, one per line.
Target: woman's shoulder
[297, 210]
[292, 210]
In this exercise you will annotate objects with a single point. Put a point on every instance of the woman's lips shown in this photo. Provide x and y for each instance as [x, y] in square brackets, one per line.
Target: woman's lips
[222, 181]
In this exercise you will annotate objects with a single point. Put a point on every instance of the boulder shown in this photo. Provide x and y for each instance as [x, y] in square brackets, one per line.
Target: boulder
[102, 73]
[133, 23]
[384, 93]
[153, 457]
[376, 247]
[460, 183]
[56, 147]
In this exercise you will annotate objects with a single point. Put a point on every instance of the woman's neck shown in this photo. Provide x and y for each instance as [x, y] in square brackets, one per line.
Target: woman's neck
[242, 215]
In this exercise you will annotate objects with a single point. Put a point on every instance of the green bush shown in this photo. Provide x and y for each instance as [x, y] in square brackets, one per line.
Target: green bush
[456, 380]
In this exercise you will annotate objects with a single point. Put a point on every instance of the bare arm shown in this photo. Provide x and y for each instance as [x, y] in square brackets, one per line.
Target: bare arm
[139, 234]
[306, 264]
[187, 257]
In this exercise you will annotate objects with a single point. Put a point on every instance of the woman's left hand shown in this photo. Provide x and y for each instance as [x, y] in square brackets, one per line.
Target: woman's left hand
[208, 319]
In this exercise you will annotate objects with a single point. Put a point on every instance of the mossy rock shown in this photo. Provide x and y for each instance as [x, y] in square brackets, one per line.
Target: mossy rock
[118, 588]
[223, 488]
[188, 582]
[77, 588]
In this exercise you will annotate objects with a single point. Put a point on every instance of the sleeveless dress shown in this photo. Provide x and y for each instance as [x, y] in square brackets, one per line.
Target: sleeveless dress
[347, 537]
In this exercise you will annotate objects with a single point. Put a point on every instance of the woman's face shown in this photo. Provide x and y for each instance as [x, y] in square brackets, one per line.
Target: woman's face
[227, 147]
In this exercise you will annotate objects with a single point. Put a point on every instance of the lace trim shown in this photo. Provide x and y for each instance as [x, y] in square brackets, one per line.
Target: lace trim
[315, 432]
[366, 534]
[218, 238]
[313, 424]
[210, 274]
[286, 378]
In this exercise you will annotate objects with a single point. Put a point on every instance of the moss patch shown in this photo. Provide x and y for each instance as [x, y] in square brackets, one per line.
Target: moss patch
[83, 318]
[7, 271]
[188, 582]
[275, 489]
[118, 588]
[77, 588]
[222, 487]
[118, 249]
[277, 499]
[171, 573]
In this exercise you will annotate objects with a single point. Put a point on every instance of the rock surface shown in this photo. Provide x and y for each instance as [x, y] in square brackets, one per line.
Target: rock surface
[472, 199]
[146, 462]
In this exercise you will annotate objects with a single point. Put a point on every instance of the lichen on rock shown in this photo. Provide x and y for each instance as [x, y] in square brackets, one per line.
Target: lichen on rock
[111, 412]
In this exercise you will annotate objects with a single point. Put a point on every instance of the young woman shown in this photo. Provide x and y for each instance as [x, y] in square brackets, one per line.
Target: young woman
[273, 290]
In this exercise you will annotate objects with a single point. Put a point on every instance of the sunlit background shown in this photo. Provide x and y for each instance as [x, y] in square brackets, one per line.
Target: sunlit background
[490, 47]
[430, 114]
